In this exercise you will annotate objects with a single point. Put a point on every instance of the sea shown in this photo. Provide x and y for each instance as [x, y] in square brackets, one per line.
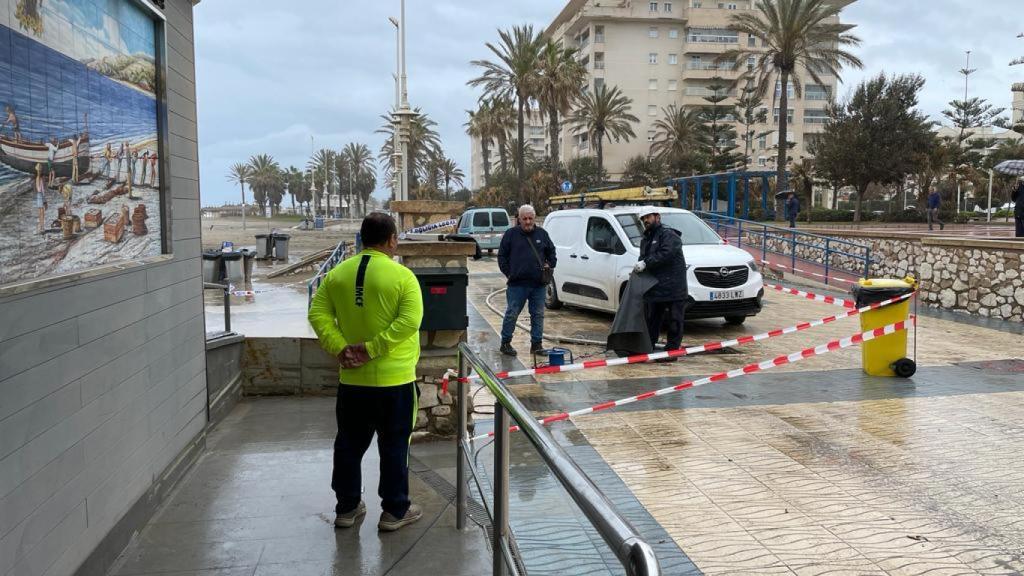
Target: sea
[51, 94]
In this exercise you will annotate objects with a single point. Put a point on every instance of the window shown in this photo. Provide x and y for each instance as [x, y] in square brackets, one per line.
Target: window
[668, 7]
[789, 115]
[752, 41]
[653, 6]
[727, 5]
[598, 33]
[673, 33]
[482, 220]
[696, 4]
[712, 36]
[673, 85]
[652, 58]
[652, 110]
[652, 32]
[652, 84]
[751, 62]
[693, 229]
[673, 59]
[499, 218]
[650, 135]
[762, 142]
[816, 92]
[601, 236]
[464, 223]
[789, 89]
[598, 84]
[815, 116]
[598, 60]
[762, 161]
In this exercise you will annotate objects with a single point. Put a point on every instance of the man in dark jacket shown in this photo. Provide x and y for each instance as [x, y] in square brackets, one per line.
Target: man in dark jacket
[1018, 212]
[525, 252]
[661, 254]
[792, 209]
[934, 203]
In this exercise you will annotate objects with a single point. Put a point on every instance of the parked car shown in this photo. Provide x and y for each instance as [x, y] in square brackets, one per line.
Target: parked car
[486, 226]
[597, 250]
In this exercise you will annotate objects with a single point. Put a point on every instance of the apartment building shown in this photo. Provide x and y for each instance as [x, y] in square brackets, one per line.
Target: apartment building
[661, 53]
[1018, 103]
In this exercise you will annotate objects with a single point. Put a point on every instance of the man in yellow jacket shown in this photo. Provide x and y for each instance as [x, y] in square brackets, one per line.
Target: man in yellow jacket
[367, 312]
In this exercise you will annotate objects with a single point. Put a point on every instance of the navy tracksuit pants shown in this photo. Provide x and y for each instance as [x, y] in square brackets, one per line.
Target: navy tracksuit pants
[390, 413]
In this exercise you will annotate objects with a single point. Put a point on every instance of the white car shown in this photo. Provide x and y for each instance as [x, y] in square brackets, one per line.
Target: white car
[597, 250]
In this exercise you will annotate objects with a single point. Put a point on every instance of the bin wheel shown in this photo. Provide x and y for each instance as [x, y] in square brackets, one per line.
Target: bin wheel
[904, 367]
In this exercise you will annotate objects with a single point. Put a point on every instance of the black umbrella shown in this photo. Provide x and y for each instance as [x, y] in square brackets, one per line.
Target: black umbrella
[1011, 167]
[784, 193]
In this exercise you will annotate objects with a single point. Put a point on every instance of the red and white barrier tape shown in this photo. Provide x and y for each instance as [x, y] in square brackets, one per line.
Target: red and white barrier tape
[748, 369]
[816, 274]
[708, 347]
[812, 296]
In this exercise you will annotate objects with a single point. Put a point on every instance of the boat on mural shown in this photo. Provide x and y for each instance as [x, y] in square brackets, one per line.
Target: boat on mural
[23, 155]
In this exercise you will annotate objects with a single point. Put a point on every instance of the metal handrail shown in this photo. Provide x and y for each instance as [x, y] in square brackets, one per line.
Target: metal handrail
[336, 257]
[227, 301]
[635, 554]
[793, 238]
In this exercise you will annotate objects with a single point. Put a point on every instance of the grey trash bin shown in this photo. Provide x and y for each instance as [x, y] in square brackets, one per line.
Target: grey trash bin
[264, 246]
[281, 246]
[234, 267]
[212, 266]
[248, 257]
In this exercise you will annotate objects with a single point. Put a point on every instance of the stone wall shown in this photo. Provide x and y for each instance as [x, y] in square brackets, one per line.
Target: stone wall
[976, 276]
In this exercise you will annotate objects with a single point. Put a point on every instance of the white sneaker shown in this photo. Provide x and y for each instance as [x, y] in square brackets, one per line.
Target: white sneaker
[348, 519]
[389, 523]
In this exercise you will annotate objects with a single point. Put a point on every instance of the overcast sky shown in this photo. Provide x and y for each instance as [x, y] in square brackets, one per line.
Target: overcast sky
[271, 74]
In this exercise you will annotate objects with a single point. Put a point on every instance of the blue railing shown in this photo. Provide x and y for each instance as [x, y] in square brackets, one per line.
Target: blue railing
[834, 254]
[336, 257]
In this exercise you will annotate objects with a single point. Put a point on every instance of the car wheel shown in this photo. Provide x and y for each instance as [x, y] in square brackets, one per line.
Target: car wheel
[551, 301]
[735, 320]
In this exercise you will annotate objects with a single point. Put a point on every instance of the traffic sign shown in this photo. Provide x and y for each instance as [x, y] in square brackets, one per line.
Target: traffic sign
[566, 186]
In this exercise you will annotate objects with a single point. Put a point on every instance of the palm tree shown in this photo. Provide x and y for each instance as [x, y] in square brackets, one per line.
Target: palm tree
[503, 121]
[562, 78]
[423, 139]
[480, 126]
[239, 174]
[450, 172]
[321, 165]
[358, 160]
[678, 134]
[801, 35]
[265, 180]
[604, 113]
[514, 75]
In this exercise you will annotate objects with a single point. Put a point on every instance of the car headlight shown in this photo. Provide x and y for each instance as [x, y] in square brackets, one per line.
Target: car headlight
[752, 265]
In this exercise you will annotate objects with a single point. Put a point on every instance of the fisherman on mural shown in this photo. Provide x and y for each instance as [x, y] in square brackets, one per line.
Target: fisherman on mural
[76, 142]
[130, 175]
[108, 155]
[145, 160]
[12, 121]
[120, 158]
[51, 155]
[152, 170]
[41, 204]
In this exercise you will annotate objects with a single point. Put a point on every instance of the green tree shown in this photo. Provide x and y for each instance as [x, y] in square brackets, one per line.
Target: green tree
[481, 127]
[604, 113]
[751, 113]
[878, 131]
[678, 139]
[514, 75]
[239, 174]
[562, 78]
[585, 174]
[719, 133]
[357, 160]
[322, 166]
[423, 141]
[800, 35]
[450, 173]
[644, 171]
[972, 114]
[266, 181]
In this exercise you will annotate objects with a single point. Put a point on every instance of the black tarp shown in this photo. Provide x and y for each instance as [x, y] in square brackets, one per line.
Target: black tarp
[629, 329]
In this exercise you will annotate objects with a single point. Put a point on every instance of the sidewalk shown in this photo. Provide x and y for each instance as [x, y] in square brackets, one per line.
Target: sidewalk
[259, 502]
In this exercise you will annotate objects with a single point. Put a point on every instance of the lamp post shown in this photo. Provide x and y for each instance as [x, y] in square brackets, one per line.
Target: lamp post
[403, 112]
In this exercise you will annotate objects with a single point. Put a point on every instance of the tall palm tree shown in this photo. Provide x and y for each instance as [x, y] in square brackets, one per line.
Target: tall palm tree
[604, 113]
[514, 75]
[359, 161]
[423, 139]
[265, 180]
[503, 121]
[239, 174]
[480, 126]
[801, 36]
[321, 167]
[562, 78]
[678, 134]
[450, 172]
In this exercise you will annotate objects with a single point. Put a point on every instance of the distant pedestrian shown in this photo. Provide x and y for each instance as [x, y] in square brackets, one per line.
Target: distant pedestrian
[934, 203]
[527, 258]
[367, 312]
[661, 254]
[792, 209]
[1018, 211]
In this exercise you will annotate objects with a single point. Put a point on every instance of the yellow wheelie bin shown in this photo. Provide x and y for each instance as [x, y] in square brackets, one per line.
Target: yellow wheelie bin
[887, 355]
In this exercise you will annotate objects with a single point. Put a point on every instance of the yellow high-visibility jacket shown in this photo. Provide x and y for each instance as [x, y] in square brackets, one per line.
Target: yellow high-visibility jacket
[369, 298]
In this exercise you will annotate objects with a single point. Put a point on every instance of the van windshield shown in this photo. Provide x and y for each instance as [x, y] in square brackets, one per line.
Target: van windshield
[694, 230]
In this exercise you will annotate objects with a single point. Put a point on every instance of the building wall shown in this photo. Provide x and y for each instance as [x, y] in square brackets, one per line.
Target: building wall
[1018, 103]
[103, 380]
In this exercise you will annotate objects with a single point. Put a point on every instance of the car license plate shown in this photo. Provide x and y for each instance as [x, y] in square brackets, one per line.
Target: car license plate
[727, 295]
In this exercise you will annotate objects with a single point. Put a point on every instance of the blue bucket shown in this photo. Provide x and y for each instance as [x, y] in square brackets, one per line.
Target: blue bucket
[556, 356]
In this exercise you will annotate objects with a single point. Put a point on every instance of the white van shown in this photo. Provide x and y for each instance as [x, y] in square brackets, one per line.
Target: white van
[597, 250]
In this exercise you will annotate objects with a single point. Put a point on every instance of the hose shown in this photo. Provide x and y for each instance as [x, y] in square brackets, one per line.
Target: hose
[552, 337]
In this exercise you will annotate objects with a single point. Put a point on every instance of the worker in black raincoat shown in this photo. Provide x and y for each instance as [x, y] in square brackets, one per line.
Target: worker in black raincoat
[661, 254]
